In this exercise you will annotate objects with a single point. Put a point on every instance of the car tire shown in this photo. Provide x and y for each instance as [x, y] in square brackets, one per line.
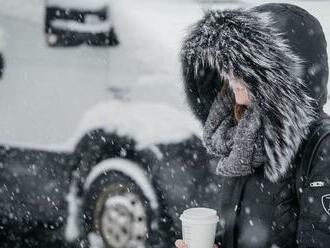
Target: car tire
[116, 209]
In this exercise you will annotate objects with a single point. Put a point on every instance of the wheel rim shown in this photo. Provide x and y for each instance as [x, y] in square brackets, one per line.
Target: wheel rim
[122, 220]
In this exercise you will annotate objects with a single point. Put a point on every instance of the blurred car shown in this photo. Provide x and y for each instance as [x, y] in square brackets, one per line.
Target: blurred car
[124, 184]
[72, 22]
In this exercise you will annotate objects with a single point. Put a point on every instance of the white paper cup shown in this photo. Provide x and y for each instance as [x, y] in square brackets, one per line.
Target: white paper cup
[199, 227]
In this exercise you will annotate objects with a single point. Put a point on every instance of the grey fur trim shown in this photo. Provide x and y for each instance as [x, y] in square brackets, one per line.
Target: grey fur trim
[245, 42]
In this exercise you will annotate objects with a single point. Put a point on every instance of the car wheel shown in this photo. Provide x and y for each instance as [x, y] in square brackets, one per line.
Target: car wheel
[117, 210]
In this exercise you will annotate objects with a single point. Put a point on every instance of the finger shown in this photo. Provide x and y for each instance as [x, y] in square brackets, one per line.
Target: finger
[180, 244]
[215, 246]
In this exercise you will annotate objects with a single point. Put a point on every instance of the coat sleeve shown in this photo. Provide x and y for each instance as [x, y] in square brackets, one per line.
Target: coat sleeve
[313, 228]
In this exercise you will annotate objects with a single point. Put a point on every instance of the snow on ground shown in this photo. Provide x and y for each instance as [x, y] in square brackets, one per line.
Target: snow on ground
[45, 92]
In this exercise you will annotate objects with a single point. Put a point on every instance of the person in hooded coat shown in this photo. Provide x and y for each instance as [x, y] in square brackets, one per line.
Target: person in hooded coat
[276, 54]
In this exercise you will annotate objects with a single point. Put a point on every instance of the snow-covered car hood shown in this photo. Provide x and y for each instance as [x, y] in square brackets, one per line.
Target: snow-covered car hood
[147, 123]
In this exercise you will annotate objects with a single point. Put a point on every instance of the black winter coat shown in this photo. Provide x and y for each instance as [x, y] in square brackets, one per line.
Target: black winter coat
[280, 52]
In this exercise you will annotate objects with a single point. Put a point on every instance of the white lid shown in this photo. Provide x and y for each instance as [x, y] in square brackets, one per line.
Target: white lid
[200, 216]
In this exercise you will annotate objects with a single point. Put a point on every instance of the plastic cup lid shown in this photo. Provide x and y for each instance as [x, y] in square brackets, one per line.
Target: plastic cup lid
[200, 215]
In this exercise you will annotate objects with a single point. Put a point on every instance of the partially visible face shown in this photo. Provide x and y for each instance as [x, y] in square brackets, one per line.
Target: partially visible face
[240, 91]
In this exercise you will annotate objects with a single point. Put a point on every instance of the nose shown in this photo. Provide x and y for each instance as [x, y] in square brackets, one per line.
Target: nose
[238, 88]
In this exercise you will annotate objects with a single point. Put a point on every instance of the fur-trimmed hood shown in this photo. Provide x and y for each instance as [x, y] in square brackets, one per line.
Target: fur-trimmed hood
[279, 51]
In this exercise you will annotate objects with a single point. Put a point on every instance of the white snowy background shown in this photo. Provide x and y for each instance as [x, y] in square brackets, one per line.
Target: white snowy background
[51, 95]
[46, 92]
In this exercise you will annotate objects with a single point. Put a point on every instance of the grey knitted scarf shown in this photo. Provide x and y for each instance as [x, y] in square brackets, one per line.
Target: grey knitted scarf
[239, 146]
